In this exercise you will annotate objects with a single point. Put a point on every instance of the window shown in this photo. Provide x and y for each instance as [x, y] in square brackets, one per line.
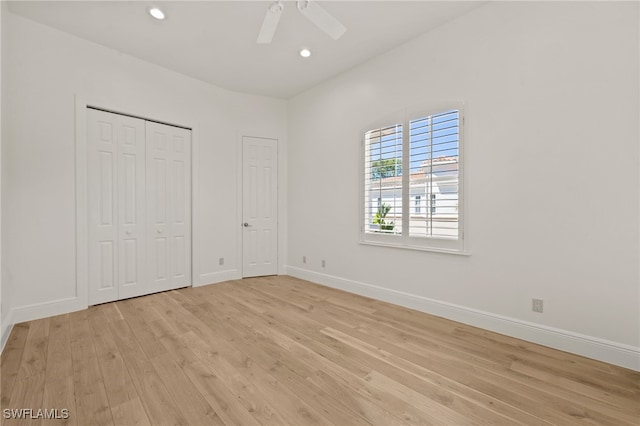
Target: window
[419, 160]
[384, 174]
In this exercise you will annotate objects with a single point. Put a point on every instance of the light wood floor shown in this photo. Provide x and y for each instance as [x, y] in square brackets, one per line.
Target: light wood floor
[282, 351]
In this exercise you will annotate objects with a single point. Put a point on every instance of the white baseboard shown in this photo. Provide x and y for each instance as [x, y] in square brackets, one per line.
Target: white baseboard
[65, 306]
[217, 277]
[48, 309]
[38, 311]
[588, 346]
[7, 327]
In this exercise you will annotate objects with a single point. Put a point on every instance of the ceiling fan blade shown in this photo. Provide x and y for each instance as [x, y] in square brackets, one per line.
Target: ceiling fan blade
[270, 23]
[323, 20]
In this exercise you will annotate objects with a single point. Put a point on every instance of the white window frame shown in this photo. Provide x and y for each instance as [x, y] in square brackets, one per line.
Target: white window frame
[403, 240]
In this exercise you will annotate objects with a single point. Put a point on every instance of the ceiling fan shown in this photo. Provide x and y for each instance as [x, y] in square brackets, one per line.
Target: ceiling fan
[311, 10]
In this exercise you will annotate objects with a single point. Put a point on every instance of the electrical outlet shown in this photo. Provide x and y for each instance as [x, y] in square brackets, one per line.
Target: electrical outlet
[304, 259]
[221, 261]
[324, 263]
[537, 305]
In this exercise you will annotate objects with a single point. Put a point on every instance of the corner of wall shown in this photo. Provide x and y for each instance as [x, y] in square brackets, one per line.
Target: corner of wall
[5, 332]
[3, 320]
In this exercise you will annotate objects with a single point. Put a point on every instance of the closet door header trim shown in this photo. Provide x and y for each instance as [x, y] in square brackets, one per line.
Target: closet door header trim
[138, 117]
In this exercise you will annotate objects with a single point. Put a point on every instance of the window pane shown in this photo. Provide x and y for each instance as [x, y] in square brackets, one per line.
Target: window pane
[434, 159]
[383, 180]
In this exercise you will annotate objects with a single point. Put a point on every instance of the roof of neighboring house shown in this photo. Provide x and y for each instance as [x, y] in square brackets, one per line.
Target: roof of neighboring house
[448, 159]
[443, 168]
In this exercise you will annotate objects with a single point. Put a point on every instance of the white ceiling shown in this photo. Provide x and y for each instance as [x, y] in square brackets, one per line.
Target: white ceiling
[215, 41]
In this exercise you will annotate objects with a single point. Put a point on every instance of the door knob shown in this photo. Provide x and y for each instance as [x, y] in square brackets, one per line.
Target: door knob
[128, 232]
[159, 231]
[246, 225]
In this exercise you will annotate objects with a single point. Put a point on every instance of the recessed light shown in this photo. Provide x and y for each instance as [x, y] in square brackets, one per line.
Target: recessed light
[305, 53]
[156, 13]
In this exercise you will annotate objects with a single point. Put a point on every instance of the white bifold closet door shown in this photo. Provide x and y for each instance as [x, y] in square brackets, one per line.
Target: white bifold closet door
[168, 206]
[139, 206]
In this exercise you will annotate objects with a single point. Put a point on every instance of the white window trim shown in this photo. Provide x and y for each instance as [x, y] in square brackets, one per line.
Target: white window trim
[404, 241]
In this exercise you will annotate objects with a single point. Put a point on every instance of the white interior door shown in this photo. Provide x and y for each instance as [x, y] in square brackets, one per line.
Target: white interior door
[139, 206]
[116, 182]
[169, 201]
[259, 206]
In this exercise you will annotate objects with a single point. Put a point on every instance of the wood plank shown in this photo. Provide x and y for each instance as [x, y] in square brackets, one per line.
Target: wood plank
[193, 405]
[34, 357]
[59, 390]
[587, 409]
[230, 407]
[158, 404]
[293, 365]
[28, 387]
[133, 312]
[126, 407]
[249, 410]
[27, 394]
[189, 401]
[442, 392]
[571, 409]
[10, 361]
[279, 350]
[92, 404]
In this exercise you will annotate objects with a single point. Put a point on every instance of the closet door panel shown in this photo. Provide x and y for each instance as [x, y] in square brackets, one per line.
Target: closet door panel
[181, 207]
[132, 205]
[158, 200]
[169, 192]
[102, 174]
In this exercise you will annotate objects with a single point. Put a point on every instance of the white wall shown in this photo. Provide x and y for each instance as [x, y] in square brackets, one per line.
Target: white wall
[2, 301]
[47, 69]
[552, 99]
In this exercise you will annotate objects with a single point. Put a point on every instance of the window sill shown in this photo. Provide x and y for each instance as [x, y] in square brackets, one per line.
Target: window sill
[417, 248]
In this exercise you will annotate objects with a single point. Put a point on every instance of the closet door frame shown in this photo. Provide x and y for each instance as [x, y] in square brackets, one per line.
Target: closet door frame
[81, 299]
